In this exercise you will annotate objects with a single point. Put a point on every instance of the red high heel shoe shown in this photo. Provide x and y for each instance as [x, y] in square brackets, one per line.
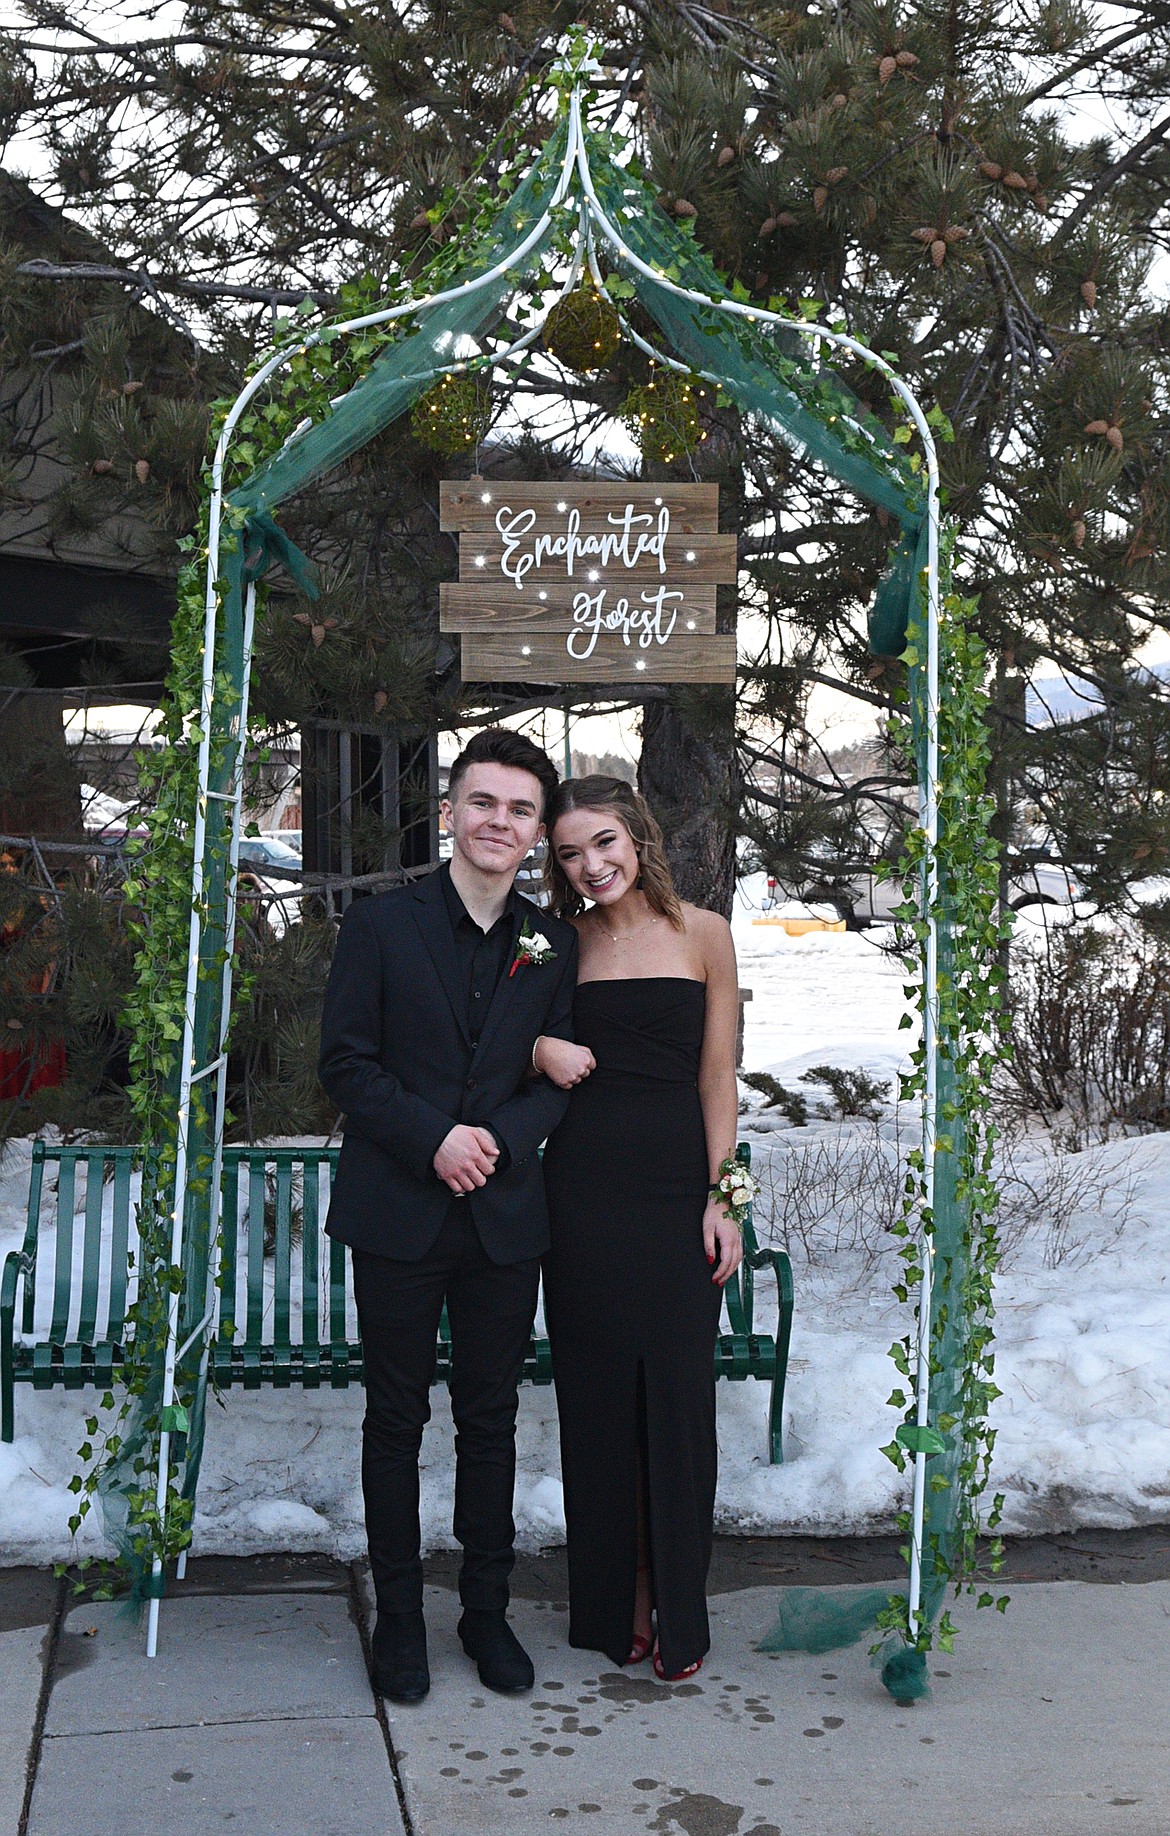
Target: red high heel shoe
[640, 1648]
[679, 1676]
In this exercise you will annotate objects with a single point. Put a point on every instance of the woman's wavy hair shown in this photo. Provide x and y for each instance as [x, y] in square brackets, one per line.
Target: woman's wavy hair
[616, 798]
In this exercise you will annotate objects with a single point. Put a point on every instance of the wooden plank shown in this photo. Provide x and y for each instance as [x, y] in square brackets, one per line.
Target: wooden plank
[466, 606]
[700, 560]
[488, 657]
[693, 507]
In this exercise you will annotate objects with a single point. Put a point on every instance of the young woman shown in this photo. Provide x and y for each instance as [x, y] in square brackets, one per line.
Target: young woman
[640, 1246]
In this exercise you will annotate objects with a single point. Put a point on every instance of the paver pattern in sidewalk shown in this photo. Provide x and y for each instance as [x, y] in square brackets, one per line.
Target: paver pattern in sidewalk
[257, 1714]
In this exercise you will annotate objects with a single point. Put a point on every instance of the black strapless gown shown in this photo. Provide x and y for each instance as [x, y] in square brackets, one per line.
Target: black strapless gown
[633, 1313]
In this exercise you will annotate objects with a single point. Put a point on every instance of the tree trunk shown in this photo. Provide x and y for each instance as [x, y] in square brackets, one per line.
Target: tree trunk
[689, 774]
[689, 768]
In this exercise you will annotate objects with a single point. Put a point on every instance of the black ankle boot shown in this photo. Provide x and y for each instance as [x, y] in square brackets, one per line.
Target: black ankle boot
[399, 1649]
[503, 1663]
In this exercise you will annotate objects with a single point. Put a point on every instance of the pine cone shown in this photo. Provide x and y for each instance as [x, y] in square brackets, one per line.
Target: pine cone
[1089, 293]
[990, 169]
[840, 100]
[131, 388]
[1078, 532]
[955, 232]
[142, 470]
[820, 197]
[835, 174]
[684, 208]
[768, 227]
[726, 155]
[926, 234]
[1096, 427]
[1015, 180]
[101, 466]
[1115, 438]
[938, 252]
[420, 220]
[380, 700]
[507, 24]
[887, 67]
[905, 60]
[786, 220]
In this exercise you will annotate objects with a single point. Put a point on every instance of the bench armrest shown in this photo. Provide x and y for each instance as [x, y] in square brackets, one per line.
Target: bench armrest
[777, 1260]
[16, 1263]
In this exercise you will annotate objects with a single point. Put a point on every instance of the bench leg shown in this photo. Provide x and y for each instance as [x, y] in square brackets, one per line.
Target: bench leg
[783, 1342]
[7, 1414]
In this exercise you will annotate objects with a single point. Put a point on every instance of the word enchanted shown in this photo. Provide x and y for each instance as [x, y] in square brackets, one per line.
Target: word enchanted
[645, 622]
[633, 535]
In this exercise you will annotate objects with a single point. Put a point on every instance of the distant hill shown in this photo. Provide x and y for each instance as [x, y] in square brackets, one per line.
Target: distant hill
[1058, 698]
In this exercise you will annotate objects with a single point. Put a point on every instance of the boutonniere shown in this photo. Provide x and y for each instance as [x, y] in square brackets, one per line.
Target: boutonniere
[533, 947]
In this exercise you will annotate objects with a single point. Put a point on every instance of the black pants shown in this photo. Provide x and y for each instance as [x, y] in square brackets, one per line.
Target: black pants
[491, 1308]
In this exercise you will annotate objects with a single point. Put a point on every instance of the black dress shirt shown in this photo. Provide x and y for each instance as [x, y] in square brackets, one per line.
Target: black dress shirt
[483, 957]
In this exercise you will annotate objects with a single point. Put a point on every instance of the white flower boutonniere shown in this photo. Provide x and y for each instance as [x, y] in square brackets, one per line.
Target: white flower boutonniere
[533, 947]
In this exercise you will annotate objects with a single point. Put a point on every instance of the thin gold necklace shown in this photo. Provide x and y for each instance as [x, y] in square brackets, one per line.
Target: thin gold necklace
[644, 926]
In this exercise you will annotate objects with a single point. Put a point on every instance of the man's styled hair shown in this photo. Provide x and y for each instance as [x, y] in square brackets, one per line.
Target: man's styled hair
[502, 746]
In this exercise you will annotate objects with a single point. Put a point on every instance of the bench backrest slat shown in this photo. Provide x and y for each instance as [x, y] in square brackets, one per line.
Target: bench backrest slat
[256, 1183]
[230, 1214]
[63, 1250]
[337, 1333]
[310, 1225]
[31, 1234]
[119, 1243]
[282, 1254]
[95, 1186]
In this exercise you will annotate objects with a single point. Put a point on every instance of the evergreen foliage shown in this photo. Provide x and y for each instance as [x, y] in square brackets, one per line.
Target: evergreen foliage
[904, 168]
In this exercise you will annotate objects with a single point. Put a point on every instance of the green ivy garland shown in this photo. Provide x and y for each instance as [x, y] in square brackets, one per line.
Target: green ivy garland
[970, 1041]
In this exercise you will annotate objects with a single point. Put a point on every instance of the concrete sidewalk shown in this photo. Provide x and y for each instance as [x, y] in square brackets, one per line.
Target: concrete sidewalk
[257, 1713]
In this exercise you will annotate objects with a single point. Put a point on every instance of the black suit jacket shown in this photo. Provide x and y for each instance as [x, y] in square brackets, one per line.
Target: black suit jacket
[396, 1057]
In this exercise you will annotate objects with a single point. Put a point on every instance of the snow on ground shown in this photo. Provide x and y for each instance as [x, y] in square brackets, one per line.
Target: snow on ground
[1083, 1324]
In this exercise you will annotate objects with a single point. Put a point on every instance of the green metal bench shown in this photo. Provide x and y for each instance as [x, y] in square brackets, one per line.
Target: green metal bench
[286, 1312]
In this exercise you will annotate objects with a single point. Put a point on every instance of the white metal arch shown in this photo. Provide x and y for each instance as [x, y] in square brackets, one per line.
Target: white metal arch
[593, 224]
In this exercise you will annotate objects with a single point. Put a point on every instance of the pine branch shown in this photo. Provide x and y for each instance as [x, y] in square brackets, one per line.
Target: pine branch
[172, 283]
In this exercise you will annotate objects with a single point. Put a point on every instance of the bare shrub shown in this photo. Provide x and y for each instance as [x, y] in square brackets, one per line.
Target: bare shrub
[1076, 1204]
[1089, 1026]
[838, 1194]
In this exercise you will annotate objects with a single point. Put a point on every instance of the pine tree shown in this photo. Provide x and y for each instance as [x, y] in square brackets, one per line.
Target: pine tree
[908, 166]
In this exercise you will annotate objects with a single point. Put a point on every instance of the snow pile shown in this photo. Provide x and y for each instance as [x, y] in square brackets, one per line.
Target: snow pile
[1083, 1324]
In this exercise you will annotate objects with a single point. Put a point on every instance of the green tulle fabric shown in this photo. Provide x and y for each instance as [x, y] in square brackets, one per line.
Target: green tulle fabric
[770, 372]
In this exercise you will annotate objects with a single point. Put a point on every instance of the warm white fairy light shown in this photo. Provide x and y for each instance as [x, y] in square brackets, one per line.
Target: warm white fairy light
[639, 664]
[562, 508]
[481, 560]
[542, 594]
[485, 497]
[690, 554]
[526, 650]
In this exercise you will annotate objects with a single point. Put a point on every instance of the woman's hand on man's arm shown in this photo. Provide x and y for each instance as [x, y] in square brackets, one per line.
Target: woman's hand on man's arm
[562, 1062]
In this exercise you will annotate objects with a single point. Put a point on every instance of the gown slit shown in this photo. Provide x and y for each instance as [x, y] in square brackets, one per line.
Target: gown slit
[632, 1314]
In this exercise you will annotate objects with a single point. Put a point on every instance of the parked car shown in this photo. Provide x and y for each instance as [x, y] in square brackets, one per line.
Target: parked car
[278, 899]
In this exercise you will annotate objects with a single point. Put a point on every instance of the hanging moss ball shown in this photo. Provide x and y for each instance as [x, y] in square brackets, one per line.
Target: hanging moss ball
[582, 331]
[453, 416]
[663, 416]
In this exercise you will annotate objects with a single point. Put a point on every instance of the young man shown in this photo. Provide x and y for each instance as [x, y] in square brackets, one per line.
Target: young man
[437, 995]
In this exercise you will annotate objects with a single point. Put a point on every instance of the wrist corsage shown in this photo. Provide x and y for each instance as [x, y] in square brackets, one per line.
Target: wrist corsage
[736, 1188]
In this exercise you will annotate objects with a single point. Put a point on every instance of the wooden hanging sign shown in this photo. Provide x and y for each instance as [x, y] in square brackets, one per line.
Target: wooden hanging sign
[598, 582]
